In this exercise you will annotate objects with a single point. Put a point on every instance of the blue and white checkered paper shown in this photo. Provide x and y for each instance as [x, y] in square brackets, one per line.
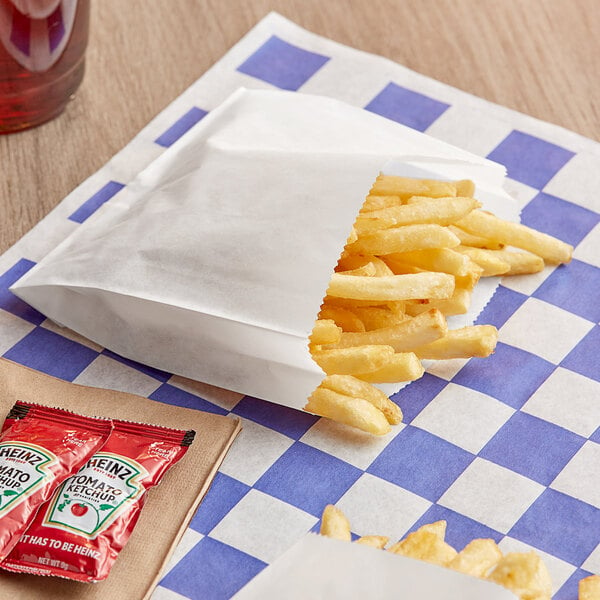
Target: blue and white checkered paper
[507, 447]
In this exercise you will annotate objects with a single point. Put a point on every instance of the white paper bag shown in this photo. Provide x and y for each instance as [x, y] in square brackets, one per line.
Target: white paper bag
[213, 262]
[321, 568]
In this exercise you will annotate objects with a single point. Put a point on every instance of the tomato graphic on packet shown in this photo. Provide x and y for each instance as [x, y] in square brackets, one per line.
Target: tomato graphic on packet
[79, 509]
[83, 516]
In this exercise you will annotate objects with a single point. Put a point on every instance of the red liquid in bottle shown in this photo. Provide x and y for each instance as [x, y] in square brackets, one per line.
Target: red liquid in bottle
[42, 59]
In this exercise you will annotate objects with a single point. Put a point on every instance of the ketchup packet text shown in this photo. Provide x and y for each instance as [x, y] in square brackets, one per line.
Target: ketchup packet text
[39, 448]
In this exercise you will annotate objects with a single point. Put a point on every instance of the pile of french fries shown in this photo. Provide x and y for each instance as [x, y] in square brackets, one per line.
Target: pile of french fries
[524, 573]
[417, 249]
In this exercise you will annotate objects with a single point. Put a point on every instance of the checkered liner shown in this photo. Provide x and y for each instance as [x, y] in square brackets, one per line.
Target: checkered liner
[507, 447]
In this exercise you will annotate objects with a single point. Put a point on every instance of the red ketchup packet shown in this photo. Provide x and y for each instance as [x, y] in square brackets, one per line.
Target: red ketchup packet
[80, 532]
[39, 448]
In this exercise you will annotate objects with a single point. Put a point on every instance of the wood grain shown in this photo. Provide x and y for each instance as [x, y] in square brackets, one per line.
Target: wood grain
[541, 57]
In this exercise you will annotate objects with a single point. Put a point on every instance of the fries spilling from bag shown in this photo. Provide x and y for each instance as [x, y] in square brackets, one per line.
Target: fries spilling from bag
[415, 254]
[523, 573]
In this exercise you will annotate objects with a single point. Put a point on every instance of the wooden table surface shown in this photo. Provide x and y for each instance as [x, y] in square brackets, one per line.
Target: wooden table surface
[541, 57]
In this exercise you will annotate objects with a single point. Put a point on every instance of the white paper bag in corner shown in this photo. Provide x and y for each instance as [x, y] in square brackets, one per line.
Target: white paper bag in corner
[213, 262]
[321, 568]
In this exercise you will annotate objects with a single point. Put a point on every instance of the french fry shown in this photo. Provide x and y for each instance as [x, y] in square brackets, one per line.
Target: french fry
[375, 317]
[350, 303]
[494, 261]
[465, 187]
[442, 211]
[470, 239]
[425, 545]
[514, 234]
[457, 304]
[405, 187]
[392, 287]
[397, 307]
[381, 267]
[491, 264]
[351, 386]
[342, 317]
[438, 528]
[334, 524]
[357, 261]
[352, 261]
[525, 574]
[352, 237]
[411, 333]
[589, 588]
[325, 331]
[475, 340]
[441, 260]
[520, 263]
[403, 366]
[366, 270]
[355, 412]
[379, 202]
[399, 268]
[347, 361]
[366, 223]
[469, 281]
[477, 558]
[375, 541]
[404, 239]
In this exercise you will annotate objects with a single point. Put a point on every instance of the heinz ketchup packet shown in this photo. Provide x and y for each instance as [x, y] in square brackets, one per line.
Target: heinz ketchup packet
[80, 532]
[39, 448]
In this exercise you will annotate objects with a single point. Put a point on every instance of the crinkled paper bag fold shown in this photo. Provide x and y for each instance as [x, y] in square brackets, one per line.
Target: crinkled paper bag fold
[213, 262]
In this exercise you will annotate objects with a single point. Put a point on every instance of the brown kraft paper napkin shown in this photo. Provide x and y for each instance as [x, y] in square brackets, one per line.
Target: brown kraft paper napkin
[169, 507]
